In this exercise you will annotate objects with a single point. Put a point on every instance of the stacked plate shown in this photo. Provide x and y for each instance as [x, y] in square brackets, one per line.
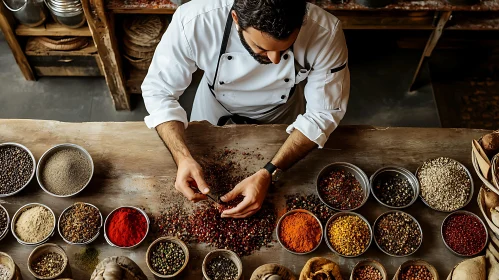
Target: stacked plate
[67, 12]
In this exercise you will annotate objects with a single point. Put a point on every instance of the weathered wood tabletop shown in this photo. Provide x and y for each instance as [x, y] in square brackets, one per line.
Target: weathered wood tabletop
[133, 167]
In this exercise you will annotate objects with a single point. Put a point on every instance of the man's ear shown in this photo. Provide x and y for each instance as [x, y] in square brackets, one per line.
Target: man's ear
[234, 17]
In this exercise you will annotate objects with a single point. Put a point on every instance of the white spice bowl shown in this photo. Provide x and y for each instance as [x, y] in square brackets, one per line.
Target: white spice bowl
[278, 229]
[172, 240]
[32, 172]
[52, 151]
[108, 219]
[373, 263]
[395, 171]
[341, 214]
[19, 212]
[6, 230]
[347, 167]
[7, 261]
[224, 253]
[462, 212]
[50, 248]
[91, 239]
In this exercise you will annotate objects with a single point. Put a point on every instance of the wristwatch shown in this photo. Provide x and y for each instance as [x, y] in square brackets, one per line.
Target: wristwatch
[274, 171]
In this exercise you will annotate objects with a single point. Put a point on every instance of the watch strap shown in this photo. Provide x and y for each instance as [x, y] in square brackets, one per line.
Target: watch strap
[270, 168]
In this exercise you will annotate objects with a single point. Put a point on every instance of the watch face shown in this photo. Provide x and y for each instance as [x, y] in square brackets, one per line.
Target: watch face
[277, 175]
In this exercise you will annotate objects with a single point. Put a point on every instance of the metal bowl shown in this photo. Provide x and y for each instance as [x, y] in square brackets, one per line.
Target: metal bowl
[340, 214]
[173, 240]
[465, 213]
[52, 151]
[278, 229]
[6, 230]
[347, 167]
[79, 243]
[19, 212]
[430, 268]
[470, 195]
[372, 263]
[395, 170]
[397, 211]
[49, 248]
[225, 253]
[32, 172]
[106, 224]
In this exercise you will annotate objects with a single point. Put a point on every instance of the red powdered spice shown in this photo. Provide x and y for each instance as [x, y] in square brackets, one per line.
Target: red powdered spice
[126, 227]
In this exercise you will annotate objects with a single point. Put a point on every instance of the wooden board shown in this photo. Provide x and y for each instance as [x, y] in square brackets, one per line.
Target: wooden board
[52, 29]
[132, 167]
[34, 48]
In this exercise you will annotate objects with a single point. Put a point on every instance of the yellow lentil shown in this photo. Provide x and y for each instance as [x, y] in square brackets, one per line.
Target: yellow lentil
[349, 235]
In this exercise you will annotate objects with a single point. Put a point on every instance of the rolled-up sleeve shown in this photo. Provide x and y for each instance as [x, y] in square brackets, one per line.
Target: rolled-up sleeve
[169, 75]
[326, 92]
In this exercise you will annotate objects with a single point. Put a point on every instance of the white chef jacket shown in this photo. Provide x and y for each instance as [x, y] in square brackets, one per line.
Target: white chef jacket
[193, 41]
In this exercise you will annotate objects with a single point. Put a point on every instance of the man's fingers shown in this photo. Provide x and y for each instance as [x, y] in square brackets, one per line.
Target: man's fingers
[239, 209]
[200, 182]
[231, 195]
[189, 193]
[242, 216]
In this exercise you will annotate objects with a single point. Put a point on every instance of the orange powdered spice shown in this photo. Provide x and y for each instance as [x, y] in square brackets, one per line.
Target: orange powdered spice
[300, 232]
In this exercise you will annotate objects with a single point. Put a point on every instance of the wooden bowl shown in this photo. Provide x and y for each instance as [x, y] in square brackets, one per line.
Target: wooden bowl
[225, 253]
[173, 240]
[372, 263]
[430, 267]
[7, 261]
[48, 248]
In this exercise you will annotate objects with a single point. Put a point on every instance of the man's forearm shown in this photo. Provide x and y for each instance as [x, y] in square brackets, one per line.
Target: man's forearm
[296, 147]
[172, 134]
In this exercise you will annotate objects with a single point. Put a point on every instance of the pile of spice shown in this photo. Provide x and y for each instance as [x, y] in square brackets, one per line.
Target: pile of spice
[166, 258]
[341, 190]
[66, 172]
[367, 272]
[310, 203]
[465, 234]
[398, 234]
[4, 272]
[126, 227]
[300, 232]
[395, 190]
[349, 235]
[87, 258]
[34, 224]
[416, 272]
[16, 167]
[3, 221]
[48, 265]
[445, 184]
[80, 223]
[221, 268]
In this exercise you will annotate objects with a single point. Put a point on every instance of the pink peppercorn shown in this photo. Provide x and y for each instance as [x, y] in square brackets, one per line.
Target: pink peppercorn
[464, 234]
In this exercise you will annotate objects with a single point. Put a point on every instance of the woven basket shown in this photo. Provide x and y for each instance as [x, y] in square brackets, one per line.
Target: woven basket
[145, 31]
[138, 51]
[486, 212]
[489, 184]
[63, 44]
[139, 63]
[430, 267]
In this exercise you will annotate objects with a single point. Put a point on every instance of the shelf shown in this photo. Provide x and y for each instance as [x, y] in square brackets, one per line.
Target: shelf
[134, 80]
[33, 48]
[399, 20]
[52, 29]
[479, 22]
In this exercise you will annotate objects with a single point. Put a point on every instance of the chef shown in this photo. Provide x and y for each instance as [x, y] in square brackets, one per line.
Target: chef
[264, 61]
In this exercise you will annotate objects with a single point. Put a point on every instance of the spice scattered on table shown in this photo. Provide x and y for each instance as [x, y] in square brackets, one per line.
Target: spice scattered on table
[464, 234]
[3, 221]
[416, 272]
[300, 232]
[349, 235]
[16, 167]
[126, 227]
[80, 223]
[398, 234]
[341, 190]
[48, 265]
[221, 268]
[87, 258]
[4, 272]
[367, 272]
[445, 184]
[310, 203]
[34, 224]
[167, 258]
[395, 190]
[66, 172]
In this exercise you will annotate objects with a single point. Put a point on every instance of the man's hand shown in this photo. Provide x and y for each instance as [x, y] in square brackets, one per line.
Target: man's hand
[190, 174]
[254, 189]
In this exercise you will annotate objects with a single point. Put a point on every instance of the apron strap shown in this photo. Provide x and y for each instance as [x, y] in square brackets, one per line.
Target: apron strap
[223, 47]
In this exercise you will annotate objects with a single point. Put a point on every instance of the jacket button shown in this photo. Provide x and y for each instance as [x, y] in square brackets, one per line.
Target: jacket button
[283, 96]
[285, 56]
[286, 80]
[229, 57]
[221, 82]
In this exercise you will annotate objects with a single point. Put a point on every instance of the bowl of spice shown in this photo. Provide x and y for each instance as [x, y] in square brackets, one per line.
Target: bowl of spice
[299, 232]
[167, 257]
[80, 223]
[464, 233]
[4, 222]
[49, 261]
[348, 234]
[369, 270]
[64, 170]
[126, 227]
[8, 268]
[33, 224]
[222, 264]
[343, 186]
[394, 187]
[416, 270]
[446, 184]
[17, 168]
[397, 233]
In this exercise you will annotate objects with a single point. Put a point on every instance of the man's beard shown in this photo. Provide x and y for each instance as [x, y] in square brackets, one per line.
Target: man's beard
[261, 59]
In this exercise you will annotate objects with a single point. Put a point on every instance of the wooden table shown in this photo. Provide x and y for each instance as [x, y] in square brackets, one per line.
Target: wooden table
[132, 167]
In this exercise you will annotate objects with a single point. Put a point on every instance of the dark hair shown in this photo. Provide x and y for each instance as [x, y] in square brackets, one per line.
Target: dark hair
[278, 18]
